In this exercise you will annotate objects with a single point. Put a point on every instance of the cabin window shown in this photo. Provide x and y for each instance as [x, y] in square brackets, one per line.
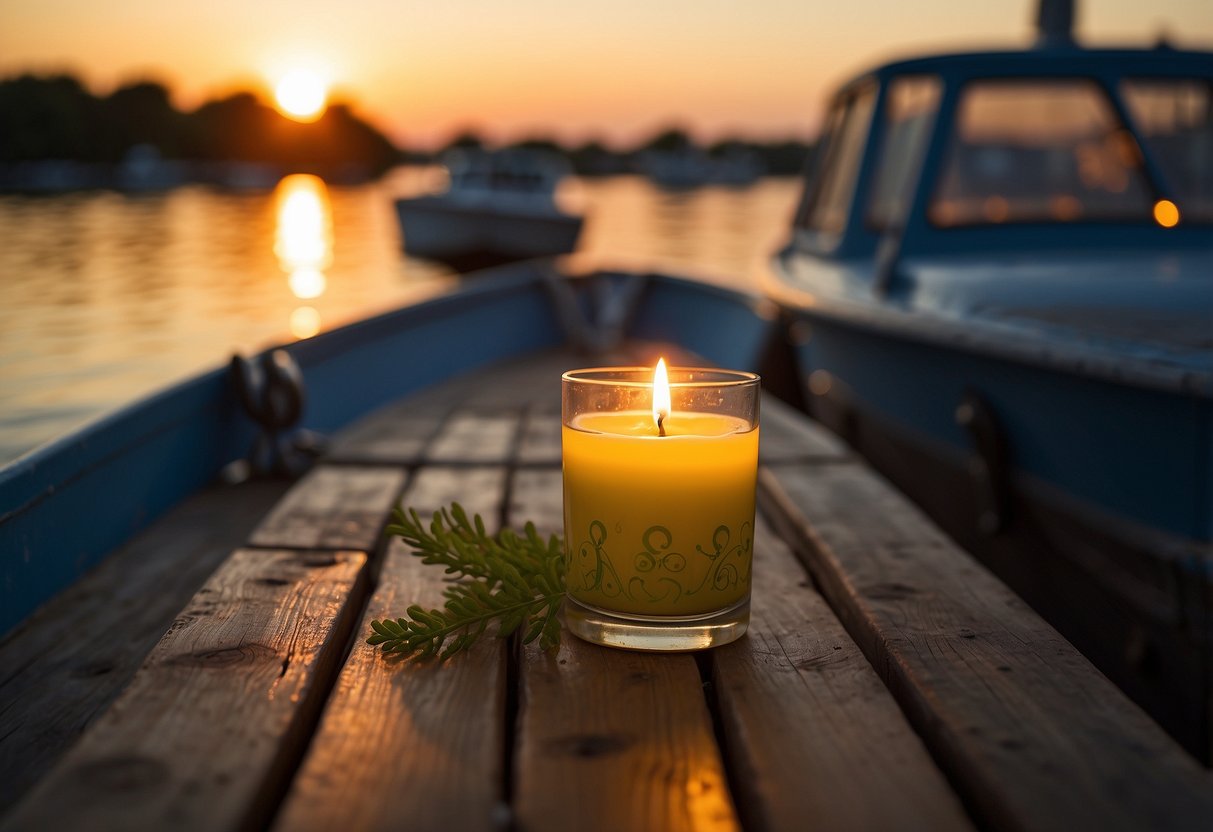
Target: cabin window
[911, 104]
[829, 196]
[1039, 151]
[1174, 116]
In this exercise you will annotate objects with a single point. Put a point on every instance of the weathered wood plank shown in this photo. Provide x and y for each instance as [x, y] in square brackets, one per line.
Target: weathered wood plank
[609, 739]
[333, 507]
[540, 443]
[475, 438]
[479, 490]
[55, 682]
[814, 737]
[1029, 732]
[535, 379]
[396, 434]
[210, 728]
[408, 745]
[789, 437]
[531, 499]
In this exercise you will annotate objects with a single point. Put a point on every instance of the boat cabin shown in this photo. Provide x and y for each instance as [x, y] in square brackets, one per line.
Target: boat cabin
[1056, 146]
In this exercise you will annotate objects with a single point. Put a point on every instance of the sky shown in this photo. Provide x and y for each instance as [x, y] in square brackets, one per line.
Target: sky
[611, 70]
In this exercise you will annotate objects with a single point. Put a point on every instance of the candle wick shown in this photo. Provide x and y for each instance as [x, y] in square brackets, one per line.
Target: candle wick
[661, 424]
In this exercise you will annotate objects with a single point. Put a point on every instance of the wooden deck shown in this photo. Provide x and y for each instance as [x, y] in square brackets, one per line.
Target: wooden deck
[887, 680]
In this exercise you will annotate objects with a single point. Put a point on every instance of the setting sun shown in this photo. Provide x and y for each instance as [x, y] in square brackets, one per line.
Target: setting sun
[301, 95]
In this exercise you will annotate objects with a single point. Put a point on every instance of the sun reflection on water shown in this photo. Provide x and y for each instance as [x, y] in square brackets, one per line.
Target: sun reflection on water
[303, 243]
[109, 296]
[304, 322]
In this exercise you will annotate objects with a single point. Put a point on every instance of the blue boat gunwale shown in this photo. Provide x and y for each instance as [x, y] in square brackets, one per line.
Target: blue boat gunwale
[67, 504]
[57, 462]
[1005, 343]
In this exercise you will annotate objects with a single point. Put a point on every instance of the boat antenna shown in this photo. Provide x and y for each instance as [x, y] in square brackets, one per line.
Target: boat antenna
[1055, 23]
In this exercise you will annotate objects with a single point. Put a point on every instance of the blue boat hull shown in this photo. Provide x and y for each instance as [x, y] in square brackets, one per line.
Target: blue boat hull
[1105, 508]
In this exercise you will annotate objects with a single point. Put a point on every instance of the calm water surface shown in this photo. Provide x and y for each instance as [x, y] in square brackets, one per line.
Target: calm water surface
[108, 296]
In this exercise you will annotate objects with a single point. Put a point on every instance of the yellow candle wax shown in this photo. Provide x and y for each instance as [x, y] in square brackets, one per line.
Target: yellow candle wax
[659, 525]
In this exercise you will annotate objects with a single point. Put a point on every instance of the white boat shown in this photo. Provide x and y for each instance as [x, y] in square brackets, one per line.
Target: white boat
[499, 207]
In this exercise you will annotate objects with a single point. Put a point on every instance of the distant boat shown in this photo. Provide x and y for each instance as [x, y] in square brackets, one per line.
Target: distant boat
[499, 207]
[144, 169]
[1000, 288]
[693, 168]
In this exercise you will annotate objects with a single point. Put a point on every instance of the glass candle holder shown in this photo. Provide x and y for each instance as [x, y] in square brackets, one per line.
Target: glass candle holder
[659, 505]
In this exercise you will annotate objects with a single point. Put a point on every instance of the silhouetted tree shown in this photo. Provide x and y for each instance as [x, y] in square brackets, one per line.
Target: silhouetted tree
[57, 118]
[672, 139]
[141, 114]
[786, 158]
[465, 140]
[47, 118]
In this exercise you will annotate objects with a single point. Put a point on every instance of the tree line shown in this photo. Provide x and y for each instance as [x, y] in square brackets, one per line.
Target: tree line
[57, 118]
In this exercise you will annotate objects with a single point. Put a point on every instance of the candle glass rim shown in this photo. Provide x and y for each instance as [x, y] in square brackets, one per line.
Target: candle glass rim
[644, 377]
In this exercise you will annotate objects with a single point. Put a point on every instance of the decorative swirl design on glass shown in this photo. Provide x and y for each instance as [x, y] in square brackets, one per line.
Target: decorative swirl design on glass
[596, 570]
[660, 573]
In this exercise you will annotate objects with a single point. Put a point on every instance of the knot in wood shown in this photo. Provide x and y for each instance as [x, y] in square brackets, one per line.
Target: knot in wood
[244, 654]
[122, 774]
[591, 745]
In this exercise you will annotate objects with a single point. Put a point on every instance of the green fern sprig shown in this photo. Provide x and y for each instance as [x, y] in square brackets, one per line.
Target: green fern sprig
[514, 579]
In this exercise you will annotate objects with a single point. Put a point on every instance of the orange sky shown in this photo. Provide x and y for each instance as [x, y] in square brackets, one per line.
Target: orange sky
[615, 70]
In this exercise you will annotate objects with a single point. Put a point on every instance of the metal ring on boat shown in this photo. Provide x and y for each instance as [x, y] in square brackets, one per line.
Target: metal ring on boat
[283, 397]
[272, 392]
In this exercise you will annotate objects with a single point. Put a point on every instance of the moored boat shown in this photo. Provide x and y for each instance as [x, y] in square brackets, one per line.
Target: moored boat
[999, 290]
[690, 168]
[498, 207]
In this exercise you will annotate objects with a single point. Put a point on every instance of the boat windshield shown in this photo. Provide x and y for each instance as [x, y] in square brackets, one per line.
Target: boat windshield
[911, 104]
[1174, 117]
[828, 197]
[1039, 150]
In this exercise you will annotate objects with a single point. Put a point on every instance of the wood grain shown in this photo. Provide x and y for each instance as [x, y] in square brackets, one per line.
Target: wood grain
[55, 683]
[535, 380]
[409, 745]
[333, 507]
[610, 740]
[1029, 732]
[814, 738]
[540, 442]
[788, 437]
[208, 732]
[479, 490]
[627, 737]
[475, 438]
[538, 497]
[395, 434]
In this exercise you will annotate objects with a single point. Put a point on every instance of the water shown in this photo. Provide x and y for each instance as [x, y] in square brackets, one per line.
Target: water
[108, 297]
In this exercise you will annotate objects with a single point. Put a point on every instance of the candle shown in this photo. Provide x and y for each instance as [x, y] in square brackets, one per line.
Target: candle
[659, 505]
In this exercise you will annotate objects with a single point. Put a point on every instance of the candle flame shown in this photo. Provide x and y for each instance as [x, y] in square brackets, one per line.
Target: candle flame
[661, 396]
